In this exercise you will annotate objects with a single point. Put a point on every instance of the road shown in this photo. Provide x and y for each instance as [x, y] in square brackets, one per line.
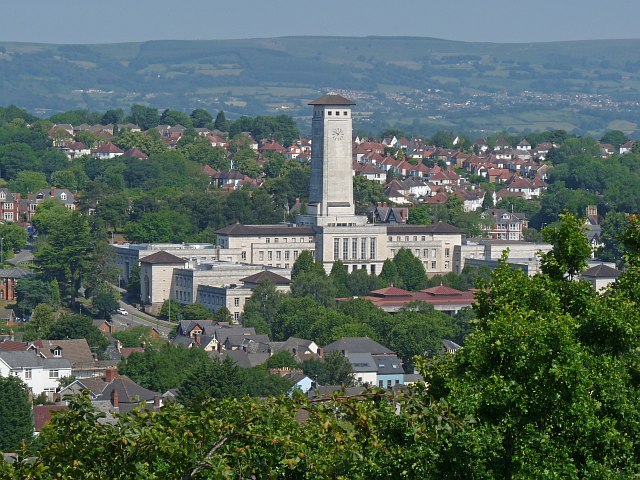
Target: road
[136, 317]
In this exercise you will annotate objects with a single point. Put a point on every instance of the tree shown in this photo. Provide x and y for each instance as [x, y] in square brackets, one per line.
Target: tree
[144, 117]
[16, 424]
[615, 138]
[334, 370]
[14, 238]
[200, 118]
[214, 379]
[28, 181]
[221, 122]
[316, 286]
[134, 336]
[133, 284]
[42, 320]
[411, 272]
[283, 359]
[571, 247]
[170, 310]
[305, 263]
[65, 249]
[195, 311]
[31, 292]
[78, 326]
[105, 303]
[419, 215]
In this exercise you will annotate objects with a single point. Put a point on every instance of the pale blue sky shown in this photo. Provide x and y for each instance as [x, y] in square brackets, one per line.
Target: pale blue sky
[110, 21]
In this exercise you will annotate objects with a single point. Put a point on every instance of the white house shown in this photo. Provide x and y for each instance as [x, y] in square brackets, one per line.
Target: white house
[40, 374]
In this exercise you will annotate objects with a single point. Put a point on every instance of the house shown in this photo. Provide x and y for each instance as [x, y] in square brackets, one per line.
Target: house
[135, 153]
[505, 225]
[74, 150]
[76, 351]
[300, 348]
[59, 195]
[600, 276]
[9, 205]
[156, 273]
[9, 278]
[626, 147]
[39, 373]
[107, 151]
[371, 362]
[42, 415]
[114, 393]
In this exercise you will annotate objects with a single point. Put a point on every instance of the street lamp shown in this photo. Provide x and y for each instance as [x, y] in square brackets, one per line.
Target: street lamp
[2, 250]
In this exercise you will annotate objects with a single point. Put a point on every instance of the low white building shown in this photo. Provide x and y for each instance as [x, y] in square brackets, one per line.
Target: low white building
[40, 374]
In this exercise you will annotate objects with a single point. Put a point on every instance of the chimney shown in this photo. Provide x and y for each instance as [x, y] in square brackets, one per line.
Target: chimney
[110, 375]
[297, 201]
[196, 339]
[115, 398]
[321, 352]
[384, 204]
[157, 403]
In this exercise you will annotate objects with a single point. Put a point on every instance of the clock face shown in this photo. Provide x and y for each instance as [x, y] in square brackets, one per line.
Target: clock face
[337, 134]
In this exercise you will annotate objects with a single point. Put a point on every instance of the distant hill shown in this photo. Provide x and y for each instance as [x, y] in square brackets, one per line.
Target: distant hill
[418, 84]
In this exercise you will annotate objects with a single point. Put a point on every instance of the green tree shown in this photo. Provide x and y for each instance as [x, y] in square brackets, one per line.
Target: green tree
[170, 310]
[78, 326]
[615, 138]
[571, 247]
[105, 303]
[14, 237]
[133, 284]
[195, 311]
[305, 263]
[283, 359]
[42, 321]
[411, 272]
[200, 118]
[221, 122]
[316, 286]
[65, 248]
[134, 336]
[214, 379]
[16, 424]
[144, 117]
[335, 369]
[31, 292]
[28, 181]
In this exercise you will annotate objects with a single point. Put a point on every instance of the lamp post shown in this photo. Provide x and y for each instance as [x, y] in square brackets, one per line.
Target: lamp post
[2, 250]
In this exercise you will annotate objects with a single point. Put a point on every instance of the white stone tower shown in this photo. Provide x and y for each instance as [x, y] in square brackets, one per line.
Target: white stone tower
[331, 189]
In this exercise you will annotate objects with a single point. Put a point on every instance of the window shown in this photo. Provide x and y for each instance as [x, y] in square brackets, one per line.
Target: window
[336, 249]
[278, 255]
[295, 254]
[337, 113]
[373, 269]
[425, 253]
[433, 253]
[27, 374]
[267, 240]
[354, 249]
[236, 302]
[424, 238]
[363, 249]
[54, 374]
[406, 238]
[286, 255]
[372, 249]
[345, 113]
[393, 252]
[345, 249]
[8, 216]
[261, 256]
[433, 265]
[381, 383]
[446, 265]
[415, 238]
[57, 352]
[236, 317]
[275, 240]
[447, 252]
[7, 206]
[269, 255]
[63, 196]
[329, 112]
[244, 255]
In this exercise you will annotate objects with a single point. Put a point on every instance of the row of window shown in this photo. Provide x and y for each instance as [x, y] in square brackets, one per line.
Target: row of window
[423, 238]
[279, 254]
[28, 373]
[348, 247]
[286, 240]
[331, 113]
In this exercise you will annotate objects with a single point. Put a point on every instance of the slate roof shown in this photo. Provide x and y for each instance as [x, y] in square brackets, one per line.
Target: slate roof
[162, 257]
[266, 275]
[423, 229]
[30, 359]
[77, 351]
[356, 345]
[128, 391]
[602, 271]
[264, 230]
[331, 100]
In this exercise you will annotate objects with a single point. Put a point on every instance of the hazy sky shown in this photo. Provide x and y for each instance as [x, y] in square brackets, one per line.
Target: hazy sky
[110, 21]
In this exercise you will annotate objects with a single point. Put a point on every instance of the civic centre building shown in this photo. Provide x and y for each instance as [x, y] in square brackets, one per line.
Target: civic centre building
[331, 230]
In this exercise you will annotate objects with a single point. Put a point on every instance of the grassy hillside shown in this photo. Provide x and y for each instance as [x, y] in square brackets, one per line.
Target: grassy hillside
[417, 83]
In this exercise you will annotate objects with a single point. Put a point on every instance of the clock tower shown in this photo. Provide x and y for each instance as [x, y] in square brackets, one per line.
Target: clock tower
[331, 189]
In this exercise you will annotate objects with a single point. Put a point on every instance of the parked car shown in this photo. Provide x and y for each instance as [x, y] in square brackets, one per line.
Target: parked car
[122, 311]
